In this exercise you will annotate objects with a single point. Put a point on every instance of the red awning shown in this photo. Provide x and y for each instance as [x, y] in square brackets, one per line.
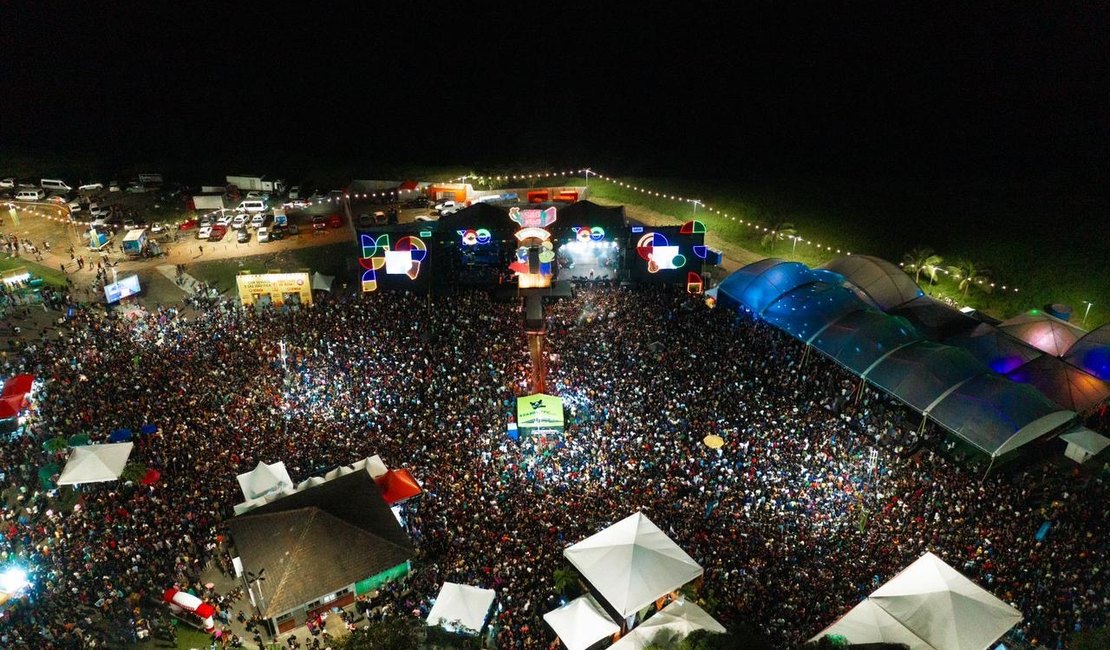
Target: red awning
[10, 406]
[151, 477]
[409, 185]
[398, 485]
[18, 385]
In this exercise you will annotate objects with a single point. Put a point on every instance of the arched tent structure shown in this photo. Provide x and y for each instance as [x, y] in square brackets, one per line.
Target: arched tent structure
[1046, 333]
[997, 415]
[922, 373]
[887, 285]
[1092, 353]
[935, 319]
[806, 311]
[1067, 386]
[960, 386]
[997, 350]
[861, 338]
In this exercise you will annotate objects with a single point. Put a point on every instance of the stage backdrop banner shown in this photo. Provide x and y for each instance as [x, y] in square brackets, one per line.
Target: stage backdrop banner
[279, 288]
[539, 411]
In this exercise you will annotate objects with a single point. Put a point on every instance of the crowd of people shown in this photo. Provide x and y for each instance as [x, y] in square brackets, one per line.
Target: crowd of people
[820, 493]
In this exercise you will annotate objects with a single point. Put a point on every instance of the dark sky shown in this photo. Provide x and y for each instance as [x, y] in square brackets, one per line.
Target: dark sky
[850, 90]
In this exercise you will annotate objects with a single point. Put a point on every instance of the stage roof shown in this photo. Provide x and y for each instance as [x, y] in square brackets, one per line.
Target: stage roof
[886, 284]
[921, 373]
[859, 339]
[1092, 353]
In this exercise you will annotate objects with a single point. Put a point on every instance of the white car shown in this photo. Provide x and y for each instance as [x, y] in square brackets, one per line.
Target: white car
[444, 208]
[224, 220]
[91, 187]
[258, 195]
[295, 192]
[204, 232]
[97, 211]
[7, 183]
[258, 220]
[74, 205]
[426, 217]
[263, 234]
[100, 222]
[158, 229]
[298, 204]
[113, 186]
[239, 221]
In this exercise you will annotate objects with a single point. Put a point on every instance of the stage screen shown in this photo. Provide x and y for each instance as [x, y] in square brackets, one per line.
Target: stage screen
[667, 254]
[124, 287]
[539, 412]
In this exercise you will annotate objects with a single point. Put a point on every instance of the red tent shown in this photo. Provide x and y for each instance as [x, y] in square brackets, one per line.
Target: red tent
[409, 185]
[10, 406]
[398, 485]
[151, 477]
[18, 385]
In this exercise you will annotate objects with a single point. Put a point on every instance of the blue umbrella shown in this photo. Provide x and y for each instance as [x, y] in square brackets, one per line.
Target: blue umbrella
[120, 435]
[148, 429]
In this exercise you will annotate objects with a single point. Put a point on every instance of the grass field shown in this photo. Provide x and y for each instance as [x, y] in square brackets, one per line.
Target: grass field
[335, 259]
[52, 277]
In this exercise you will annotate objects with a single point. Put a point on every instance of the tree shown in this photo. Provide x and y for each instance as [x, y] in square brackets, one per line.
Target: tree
[969, 274]
[922, 259]
[566, 581]
[778, 231]
[1090, 639]
[393, 634]
[56, 444]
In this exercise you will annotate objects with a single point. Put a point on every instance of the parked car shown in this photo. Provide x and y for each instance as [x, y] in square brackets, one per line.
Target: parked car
[207, 220]
[365, 220]
[205, 232]
[258, 195]
[240, 221]
[101, 222]
[335, 221]
[129, 223]
[158, 229]
[188, 224]
[263, 235]
[243, 236]
[224, 220]
[135, 188]
[277, 233]
[96, 210]
[298, 204]
[217, 232]
[258, 220]
[319, 222]
[444, 208]
[90, 187]
[113, 186]
[426, 217]
[295, 192]
[7, 183]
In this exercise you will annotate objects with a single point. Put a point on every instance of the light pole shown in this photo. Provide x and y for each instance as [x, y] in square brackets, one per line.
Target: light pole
[588, 172]
[1087, 310]
[696, 203]
[794, 247]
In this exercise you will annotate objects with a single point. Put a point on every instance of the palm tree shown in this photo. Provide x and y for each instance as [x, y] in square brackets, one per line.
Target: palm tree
[133, 472]
[779, 230]
[56, 444]
[969, 274]
[922, 259]
[565, 580]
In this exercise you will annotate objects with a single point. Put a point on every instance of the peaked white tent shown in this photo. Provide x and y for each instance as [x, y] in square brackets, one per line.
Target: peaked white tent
[1084, 443]
[936, 607]
[632, 563]
[581, 623]
[681, 617]
[461, 608]
[264, 479]
[95, 463]
[322, 282]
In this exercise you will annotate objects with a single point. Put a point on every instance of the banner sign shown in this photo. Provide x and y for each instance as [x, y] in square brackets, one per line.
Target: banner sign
[539, 411]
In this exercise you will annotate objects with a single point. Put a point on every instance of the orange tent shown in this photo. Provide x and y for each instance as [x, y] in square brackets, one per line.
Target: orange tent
[398, 485]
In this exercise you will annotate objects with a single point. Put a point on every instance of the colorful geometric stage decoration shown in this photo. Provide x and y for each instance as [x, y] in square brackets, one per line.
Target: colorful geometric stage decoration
[403, 258]
[654, 249]
[694, 227]
[475, 237]
[694, 282]
[535, 253]
[597, 233]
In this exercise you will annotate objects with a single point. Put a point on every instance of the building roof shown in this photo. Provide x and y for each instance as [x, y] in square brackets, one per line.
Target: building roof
[318, 540]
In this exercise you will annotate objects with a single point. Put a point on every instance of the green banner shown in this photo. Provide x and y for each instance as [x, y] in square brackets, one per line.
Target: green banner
[539, 411]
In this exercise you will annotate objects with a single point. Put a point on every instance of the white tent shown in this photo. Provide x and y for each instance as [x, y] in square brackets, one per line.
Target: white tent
[581, 623]
[937, 607]
[461, 608]
[632, 563]
[322, 282]
[682, 617]
[634, 640]
[95, 463]
[264, 479]
[1084, 443]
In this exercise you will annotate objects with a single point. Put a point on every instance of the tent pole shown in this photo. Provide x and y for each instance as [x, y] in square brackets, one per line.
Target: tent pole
[859, 391]
[988, 470]
[924, 419]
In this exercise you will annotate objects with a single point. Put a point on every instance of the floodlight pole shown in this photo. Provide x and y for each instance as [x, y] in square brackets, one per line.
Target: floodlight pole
[795, 246]
[1087, 310]
[696, 202]
[588, 172]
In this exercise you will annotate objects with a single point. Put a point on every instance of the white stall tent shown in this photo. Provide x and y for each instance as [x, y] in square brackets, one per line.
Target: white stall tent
[681, 617]
[264, 479]
[1084, 443]
[938, 608]
[581, 623]
[632, 563]
[461, 608]
[95, 463]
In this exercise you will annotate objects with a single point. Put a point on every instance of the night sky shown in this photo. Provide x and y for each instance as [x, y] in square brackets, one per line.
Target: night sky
[851, 90]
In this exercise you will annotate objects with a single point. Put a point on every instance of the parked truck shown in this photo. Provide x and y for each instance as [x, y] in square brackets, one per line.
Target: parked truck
[258, 183]
[207, 202]
[134, 243]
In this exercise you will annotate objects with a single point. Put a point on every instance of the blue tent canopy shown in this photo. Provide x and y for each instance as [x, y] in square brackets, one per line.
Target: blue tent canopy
[997, 350]
[918, 374]
[730, 293]
[1092, 353]
[764, 288]
[997, 415]
[859, 339]
[807, 310]
[120, 435]
[1067, 386]
[148, 429]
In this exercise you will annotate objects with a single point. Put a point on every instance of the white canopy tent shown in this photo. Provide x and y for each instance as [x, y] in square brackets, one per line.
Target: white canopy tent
[461, 608]
[682, 617]
[321, 282]
[1084, 443]
[372, 465]
[581, 623]
[95, 463]
[632, 563]
[264, 479]
[935, 607]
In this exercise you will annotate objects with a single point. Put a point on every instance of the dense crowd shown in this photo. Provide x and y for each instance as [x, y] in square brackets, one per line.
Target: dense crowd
[820, 493]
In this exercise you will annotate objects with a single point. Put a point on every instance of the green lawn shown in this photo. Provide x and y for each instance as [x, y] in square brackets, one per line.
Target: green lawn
[339, 260]
[52, 277]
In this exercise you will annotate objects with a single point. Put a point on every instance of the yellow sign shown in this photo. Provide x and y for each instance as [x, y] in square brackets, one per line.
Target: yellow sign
[274, 288]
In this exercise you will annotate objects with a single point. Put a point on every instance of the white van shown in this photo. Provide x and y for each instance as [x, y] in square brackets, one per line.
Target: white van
[30, 195]
[53, 184]
[252, 206]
